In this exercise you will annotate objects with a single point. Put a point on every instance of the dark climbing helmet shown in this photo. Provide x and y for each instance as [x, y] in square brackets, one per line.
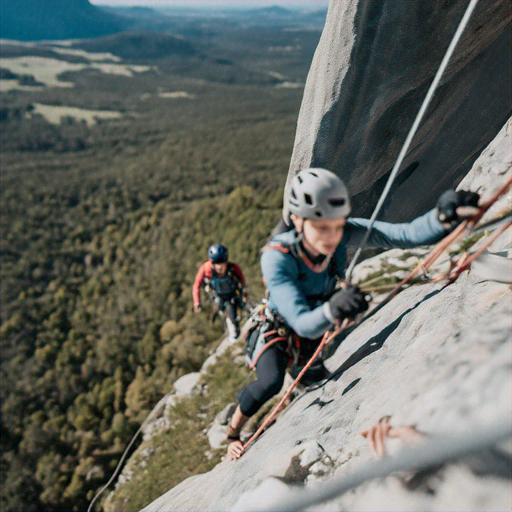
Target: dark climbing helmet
[317, 194]
[218, 254]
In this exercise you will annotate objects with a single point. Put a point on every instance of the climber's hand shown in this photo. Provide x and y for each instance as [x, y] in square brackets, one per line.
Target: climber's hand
[453, 207]
[197, 308]
[378, 433]
[235, 449]
[348, 302]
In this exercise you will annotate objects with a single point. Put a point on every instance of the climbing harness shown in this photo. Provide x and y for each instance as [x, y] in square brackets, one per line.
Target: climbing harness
[222, 290]
[412, 132]
[268, 329]
[225, 286]
[327, 338]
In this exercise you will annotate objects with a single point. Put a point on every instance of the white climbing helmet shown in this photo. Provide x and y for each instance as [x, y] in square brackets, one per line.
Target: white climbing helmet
[318, 194]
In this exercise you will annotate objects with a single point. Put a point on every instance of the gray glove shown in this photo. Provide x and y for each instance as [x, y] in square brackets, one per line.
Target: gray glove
[346, 303]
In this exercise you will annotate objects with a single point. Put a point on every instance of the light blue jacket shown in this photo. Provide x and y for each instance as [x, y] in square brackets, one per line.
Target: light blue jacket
[295, 289]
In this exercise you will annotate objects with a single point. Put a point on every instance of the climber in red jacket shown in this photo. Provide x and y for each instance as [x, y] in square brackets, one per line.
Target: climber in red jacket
[226, 282]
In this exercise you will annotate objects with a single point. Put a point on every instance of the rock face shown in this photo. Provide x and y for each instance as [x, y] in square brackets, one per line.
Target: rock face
[489, 170]
[436, 356]
[437, 359]
[373, 66]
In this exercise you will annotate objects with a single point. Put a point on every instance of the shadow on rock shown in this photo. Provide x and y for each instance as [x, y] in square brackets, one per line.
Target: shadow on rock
[371, 346]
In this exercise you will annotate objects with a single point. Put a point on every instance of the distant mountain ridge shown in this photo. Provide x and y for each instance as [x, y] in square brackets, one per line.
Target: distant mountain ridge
[139, 45]
[35, 20]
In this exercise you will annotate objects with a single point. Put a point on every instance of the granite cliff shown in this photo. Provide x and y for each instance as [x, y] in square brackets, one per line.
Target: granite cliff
[370, 73]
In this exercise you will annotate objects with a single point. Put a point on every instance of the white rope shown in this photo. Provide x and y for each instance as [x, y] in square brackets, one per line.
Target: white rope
[430, 453]
[153, 413]
[412, 132]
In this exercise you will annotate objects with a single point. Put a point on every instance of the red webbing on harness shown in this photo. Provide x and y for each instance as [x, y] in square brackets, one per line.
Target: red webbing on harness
[267, 345]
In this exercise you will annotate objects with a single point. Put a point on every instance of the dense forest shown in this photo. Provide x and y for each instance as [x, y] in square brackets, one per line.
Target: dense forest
[103, 229]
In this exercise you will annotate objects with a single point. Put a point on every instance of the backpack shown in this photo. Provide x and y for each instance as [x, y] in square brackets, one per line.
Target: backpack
[226, 286]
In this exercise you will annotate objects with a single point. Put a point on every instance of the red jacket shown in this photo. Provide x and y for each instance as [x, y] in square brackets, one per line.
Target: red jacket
[206, 272]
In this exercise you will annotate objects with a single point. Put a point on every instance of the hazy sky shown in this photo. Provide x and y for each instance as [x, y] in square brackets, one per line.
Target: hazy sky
[292, 4]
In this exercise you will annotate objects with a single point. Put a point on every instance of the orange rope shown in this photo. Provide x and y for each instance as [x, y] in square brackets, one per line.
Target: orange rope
[448, 240]
[491, 201]
[327, 338]
[466, 261]
[267, 345]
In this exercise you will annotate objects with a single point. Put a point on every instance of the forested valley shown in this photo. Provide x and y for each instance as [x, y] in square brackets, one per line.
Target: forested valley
[103, 228]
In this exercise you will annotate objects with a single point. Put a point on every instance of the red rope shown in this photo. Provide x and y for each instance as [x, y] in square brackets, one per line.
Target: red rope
[465, 262]
[483, 209]
[448, 240]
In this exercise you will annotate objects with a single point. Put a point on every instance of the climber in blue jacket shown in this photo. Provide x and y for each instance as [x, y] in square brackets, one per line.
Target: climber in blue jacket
[301, 268]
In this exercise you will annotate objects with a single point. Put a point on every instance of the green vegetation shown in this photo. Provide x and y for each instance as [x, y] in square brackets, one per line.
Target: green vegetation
[467, 243]
[183, 450]
[85, 354]
[103, 230]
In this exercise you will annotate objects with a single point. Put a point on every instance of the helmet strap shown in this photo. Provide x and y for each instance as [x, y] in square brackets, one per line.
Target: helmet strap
[315, 263]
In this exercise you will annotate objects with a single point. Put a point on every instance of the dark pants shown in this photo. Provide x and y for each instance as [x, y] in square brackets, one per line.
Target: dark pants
[230, 308]
[271, 368]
